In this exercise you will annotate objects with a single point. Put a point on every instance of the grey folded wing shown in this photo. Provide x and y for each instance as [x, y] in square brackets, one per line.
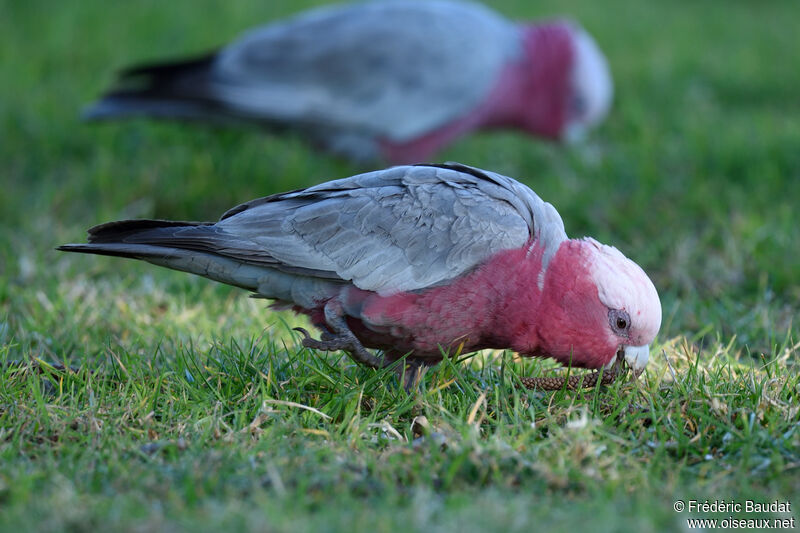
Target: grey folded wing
[395, 69]
[400, 229]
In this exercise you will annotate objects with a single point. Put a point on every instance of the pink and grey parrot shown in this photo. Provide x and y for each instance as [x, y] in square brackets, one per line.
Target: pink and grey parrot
[393, 80]
[423, 259]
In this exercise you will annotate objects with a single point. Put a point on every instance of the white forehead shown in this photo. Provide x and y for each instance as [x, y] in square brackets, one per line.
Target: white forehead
[591, 78]
[622, 284]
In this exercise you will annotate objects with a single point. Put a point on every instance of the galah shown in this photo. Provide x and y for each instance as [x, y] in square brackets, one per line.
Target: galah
[393, 80]
[419, 261]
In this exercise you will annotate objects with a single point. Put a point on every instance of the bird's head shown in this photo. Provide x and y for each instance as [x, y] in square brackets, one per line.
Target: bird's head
[569, 87]
[595, 304]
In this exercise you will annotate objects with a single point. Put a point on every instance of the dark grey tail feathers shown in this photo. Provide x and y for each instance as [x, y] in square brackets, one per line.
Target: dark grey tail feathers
[203, 249]
[129, 251]
[179, 78]
[170, 68]
[176, 89]
[121, 230]
[134, 239]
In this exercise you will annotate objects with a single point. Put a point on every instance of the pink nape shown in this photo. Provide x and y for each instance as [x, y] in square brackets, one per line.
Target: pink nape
[530, 94]
[543, 87]
[573, 320]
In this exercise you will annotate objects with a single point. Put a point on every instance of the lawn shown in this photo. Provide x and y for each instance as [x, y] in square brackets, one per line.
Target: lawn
[193, 407]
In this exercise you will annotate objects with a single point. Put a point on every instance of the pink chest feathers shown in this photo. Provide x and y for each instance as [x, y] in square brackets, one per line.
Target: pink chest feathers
[492, 306]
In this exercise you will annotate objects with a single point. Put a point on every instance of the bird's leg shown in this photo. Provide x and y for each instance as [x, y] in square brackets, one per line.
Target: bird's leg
[340, 337]
[411, 372]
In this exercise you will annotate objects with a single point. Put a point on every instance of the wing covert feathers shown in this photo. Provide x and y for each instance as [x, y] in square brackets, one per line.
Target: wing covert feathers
[401, 229]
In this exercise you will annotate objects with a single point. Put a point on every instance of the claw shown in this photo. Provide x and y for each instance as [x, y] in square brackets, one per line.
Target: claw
[306, 334]
[340, 338]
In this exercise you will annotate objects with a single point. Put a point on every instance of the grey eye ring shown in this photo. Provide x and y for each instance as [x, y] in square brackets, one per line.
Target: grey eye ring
[620, 321]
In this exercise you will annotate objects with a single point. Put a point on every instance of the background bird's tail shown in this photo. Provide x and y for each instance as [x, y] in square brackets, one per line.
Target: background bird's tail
[176, 89]
[194, 247]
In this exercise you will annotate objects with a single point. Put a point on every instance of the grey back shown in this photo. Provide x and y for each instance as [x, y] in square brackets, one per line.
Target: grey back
[400, 229]
[393, 69]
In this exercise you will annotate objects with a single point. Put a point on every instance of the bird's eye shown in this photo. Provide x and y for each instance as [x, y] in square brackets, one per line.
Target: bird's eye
[577, 105]
[620, 321]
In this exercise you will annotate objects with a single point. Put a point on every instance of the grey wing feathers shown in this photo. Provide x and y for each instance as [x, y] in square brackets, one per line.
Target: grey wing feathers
[400, 229]
[350, 65]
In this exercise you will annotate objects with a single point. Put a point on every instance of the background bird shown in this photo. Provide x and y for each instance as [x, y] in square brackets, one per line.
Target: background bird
[416, 259]
[394, 80]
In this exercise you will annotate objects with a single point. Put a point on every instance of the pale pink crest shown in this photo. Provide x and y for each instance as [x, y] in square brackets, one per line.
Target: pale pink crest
[622, 284]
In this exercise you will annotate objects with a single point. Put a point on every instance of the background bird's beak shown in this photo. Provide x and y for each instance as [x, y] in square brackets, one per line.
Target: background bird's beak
[574, 133]
[637, 357]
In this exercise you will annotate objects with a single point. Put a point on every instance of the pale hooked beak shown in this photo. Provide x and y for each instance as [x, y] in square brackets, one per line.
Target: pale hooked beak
[574, 133]
[637, 357]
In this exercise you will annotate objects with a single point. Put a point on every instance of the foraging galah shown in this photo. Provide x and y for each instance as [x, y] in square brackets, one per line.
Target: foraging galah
[394, 80]
[423, 259]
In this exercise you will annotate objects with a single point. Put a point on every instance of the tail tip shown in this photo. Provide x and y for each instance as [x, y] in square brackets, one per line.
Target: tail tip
[71, 247]
[101, 109]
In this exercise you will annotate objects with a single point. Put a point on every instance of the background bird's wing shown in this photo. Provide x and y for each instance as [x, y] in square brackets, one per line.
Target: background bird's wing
[400, 229]
[352, 64]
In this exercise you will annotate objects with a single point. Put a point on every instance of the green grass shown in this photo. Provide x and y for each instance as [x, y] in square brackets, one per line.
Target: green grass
[194, 408]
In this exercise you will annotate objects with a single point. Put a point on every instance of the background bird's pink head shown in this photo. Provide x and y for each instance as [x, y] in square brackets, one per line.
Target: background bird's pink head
[566, 83]
[558, 88]
[595, 303]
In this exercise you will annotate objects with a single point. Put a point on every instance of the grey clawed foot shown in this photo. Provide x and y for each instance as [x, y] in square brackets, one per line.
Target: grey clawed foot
[341, 338]
[327, 342]
[410, 372]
